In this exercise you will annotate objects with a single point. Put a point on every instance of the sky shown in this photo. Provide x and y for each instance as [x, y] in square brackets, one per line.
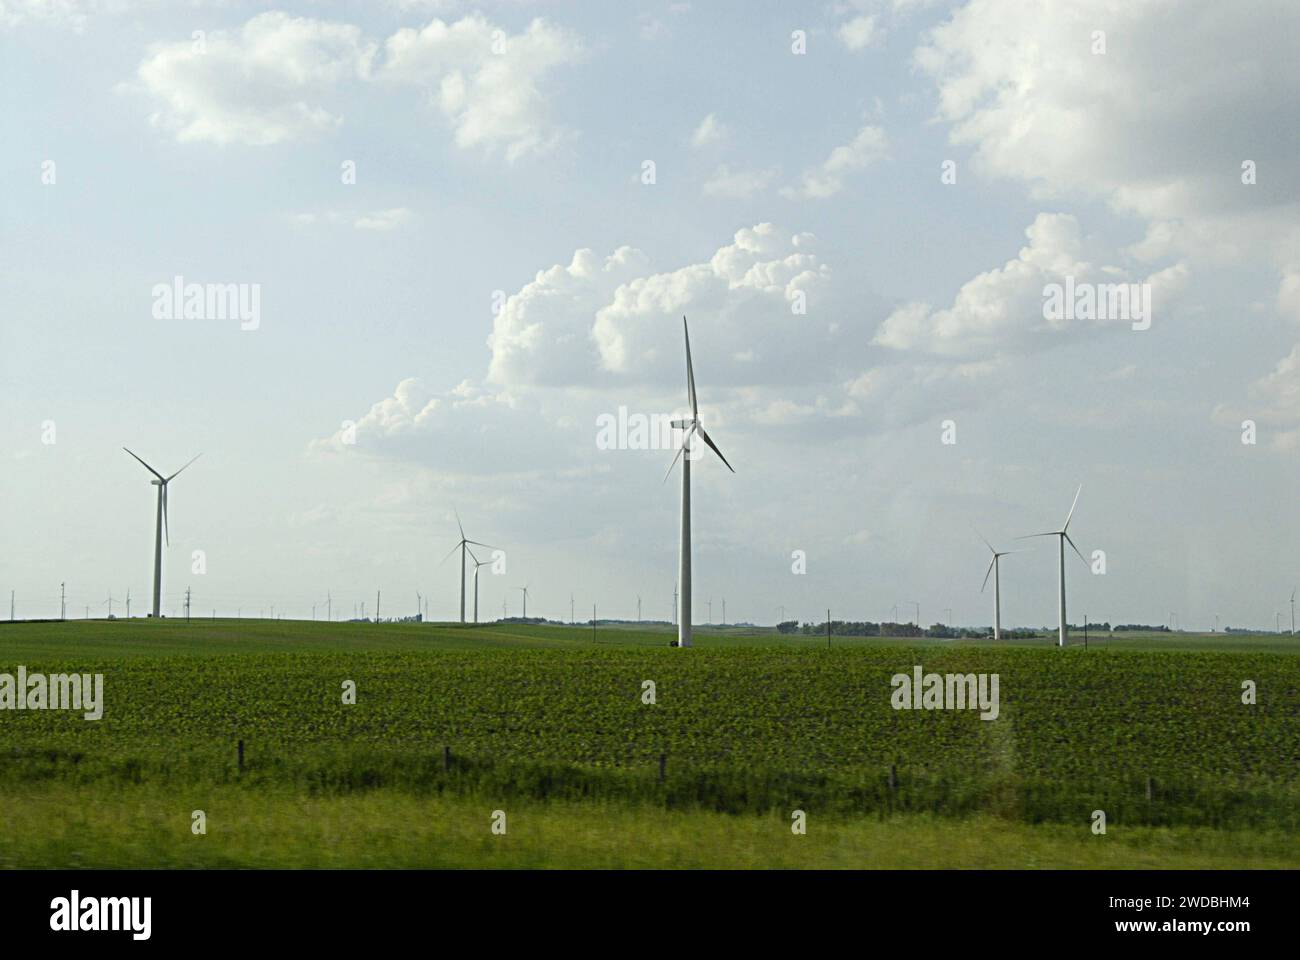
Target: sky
[472, 231]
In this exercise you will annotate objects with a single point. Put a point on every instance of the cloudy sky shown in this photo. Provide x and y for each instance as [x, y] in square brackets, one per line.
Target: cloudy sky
[473, 231]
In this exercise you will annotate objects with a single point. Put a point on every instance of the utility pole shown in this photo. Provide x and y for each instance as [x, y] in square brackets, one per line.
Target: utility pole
[63, 602]
[638, 608]
[187, 604]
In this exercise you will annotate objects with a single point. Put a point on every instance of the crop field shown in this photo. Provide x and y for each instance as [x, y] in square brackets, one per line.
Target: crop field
[743, 730]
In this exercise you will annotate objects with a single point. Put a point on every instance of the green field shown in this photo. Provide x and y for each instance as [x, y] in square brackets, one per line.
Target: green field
[547, 723]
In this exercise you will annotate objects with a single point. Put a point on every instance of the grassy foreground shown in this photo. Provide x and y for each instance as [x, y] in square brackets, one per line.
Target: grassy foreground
[550, 724]
[144, 827]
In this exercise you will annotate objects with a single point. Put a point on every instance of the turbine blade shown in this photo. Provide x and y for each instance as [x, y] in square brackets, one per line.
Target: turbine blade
[988, 572]
[680, 450]
[1030, 536]
[714, 447]
[981, 536]
[1076, 550]
[146, 466]
[690, 371]
[182, 468]
[448, 556]
[458, 523]
[1072, 506]
[478, 544]
[472, 557]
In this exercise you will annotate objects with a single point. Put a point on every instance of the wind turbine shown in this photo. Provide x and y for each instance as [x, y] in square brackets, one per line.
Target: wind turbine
[462, 546]
[997, 584]
[161, 528]
[691, 427]
[1062, 536]
[1293, 612]
[525, 590]
[477, 563]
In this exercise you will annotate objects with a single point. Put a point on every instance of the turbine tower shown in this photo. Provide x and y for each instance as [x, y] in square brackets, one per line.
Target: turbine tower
[997, 584]
[525, 591]
[462, 546]
[477, 563]
[690, 428]
[1063, 537]
[161, 528]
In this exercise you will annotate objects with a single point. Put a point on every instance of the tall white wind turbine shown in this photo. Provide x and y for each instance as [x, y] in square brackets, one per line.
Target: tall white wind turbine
[161, 528]
[1063, 536]
[994, 569]
[690, 428]
[462, 546]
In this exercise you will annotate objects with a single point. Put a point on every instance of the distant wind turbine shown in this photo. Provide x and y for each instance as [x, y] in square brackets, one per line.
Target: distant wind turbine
[997, 584]
[691, 427]
[161, 529]
[525, 592]
[477, 563]
[462, 546]
[1063, 537]
[1293, 612]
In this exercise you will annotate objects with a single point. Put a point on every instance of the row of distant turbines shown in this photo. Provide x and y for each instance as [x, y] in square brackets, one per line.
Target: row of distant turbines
[690, 427]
